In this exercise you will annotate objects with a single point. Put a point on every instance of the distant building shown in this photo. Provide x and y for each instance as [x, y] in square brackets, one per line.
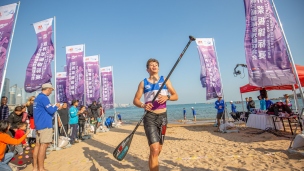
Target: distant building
[12, 98]
[23, 94]
[6, 88]
[12, 95]
[19, 99]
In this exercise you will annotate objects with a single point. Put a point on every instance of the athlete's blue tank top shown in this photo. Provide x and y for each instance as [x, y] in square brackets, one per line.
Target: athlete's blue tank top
[150, 91]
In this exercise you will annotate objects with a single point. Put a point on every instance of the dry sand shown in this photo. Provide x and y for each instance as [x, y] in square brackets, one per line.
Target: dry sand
[187, 147]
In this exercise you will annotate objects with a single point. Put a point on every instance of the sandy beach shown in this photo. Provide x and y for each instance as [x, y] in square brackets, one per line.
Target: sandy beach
[187, 147]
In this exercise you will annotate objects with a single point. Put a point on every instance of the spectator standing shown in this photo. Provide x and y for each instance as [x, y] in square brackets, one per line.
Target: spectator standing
[64, 118]
[4, 110]
[247, 104]
[6, 139]
[81, 121]
[94, 109]
[24, 114]
[73, 114]
[194, 114]
[43, 114]
[233, 107]
[119, 117]
[184, 112]
[30, 113]
[220, 106]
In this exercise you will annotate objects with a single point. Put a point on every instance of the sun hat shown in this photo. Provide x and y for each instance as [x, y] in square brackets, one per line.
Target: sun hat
[47, 85]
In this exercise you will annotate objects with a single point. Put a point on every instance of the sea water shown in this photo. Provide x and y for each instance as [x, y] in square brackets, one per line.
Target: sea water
[204, 111]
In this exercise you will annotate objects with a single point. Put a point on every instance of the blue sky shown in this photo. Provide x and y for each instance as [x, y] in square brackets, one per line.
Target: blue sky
[127, 33]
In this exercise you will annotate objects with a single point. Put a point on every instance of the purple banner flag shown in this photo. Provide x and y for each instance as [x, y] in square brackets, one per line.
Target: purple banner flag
[266, 54]
[75, 73]
[61, 87]
[92, 76]
[39, 70]
[7, 14]
[210, 75]
[203, 74]
[107, 88]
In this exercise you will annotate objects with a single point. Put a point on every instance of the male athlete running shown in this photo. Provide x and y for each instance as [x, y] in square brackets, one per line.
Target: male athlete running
[155, 121]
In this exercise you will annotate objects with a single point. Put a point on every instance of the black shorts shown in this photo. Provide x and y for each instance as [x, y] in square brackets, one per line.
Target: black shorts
[155, 127]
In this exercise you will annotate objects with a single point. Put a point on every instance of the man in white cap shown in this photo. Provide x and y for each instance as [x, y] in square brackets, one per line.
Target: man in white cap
[220, 106]
[234, 111]
[194, 114]
[43, 114]
[233, 107]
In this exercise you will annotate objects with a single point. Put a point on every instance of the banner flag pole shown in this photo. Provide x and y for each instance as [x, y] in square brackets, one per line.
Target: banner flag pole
[9, 47]
[84, 77]
[55, 56]
[55, 96]
[225, 111]
[115, 113]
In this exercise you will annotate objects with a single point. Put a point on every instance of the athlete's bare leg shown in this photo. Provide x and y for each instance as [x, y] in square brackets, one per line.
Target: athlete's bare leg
[155, 150]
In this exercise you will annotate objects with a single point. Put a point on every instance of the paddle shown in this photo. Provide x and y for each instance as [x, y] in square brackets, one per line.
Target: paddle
[122, 149]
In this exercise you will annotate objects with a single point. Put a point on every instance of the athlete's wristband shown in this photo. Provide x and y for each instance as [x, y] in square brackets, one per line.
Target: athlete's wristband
[142, 105]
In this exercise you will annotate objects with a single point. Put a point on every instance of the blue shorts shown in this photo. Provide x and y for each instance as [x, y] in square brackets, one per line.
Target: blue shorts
[220, 115]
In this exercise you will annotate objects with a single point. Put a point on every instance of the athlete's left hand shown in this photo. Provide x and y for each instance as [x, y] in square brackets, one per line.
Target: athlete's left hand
[162, 99]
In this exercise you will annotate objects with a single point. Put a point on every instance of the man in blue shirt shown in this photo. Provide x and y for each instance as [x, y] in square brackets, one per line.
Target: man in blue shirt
[233, 107]
[220, 106]
[119, 117]
[43, 114]
[194, 114]
[247, 104]
[268, 103]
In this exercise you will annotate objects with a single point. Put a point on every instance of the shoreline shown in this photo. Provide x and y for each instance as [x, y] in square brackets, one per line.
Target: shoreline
[180, 122]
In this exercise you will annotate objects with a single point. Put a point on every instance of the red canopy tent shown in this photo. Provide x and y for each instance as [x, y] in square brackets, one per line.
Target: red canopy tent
[249, 88]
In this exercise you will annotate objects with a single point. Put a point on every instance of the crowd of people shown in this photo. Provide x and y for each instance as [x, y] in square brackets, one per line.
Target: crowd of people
[32, 126]
[266, 105]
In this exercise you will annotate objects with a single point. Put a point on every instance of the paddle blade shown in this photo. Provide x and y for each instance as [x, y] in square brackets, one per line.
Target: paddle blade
[122, 149]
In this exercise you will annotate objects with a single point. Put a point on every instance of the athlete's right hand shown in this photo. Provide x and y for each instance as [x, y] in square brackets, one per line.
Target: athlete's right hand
[148, 106]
